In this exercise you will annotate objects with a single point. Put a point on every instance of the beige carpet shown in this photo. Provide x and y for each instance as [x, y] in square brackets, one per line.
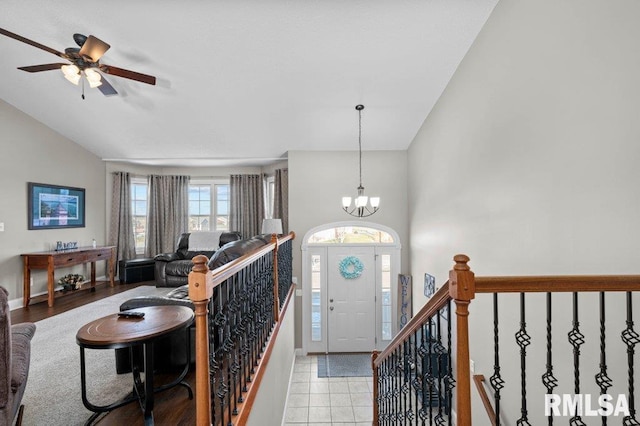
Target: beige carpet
[53, 395]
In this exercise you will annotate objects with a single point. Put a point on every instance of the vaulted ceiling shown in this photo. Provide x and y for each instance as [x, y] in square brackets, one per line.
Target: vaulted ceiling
[240, 82]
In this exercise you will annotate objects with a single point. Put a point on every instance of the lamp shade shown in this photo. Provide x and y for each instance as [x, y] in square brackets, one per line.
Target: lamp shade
[271, 226]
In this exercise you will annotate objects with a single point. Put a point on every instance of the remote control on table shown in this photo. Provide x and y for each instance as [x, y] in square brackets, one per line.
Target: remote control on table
[131, 314]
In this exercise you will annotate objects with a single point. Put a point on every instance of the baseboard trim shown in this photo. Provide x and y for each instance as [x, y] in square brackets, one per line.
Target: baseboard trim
[17, 303]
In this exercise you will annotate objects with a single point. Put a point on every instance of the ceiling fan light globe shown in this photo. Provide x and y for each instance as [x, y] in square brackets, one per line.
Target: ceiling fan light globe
[92, 75]
[70, 70]
[94, 84]
[346, 202]
[375, 202]
[74, 78]
[361, 201]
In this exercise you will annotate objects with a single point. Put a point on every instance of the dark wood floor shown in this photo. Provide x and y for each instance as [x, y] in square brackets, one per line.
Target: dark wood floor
[172, 407]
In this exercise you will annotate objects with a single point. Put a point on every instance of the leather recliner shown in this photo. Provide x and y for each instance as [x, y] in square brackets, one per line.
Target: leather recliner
[172, 269]
[170, 352]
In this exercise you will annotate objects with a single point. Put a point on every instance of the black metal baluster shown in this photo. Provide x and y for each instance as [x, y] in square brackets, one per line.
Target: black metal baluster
[450, 382]
[423, 352]
[417, 382]
[440, 352]
[576, 339]
[523, 340]
[548, 379]
[396, 385]
[410, 413]
[387, 381]
[602, 379]
[430, 378]
[630, 338]
[383, 411]
[496, 380]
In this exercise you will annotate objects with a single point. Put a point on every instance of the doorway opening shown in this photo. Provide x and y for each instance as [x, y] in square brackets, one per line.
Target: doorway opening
[349, 286]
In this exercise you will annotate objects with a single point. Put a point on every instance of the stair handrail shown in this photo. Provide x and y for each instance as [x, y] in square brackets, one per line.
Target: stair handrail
[478, 379]
[202, 282]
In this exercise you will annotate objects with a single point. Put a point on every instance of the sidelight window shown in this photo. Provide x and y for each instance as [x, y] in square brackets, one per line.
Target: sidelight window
[316, 299]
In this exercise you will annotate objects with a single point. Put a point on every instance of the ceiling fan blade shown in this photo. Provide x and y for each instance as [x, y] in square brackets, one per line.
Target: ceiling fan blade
[32, 43]
[120, 72]
[43, 67]
[106, 88]
[94, 48]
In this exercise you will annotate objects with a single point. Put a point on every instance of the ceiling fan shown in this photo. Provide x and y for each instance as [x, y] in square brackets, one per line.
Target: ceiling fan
[83, 59]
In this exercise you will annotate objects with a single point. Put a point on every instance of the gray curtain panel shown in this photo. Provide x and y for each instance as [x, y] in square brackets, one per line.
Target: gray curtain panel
[121, 222]
[281, 198]
[246, 204]
[168, 212]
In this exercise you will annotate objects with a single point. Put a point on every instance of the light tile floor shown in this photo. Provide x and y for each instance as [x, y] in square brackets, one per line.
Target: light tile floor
[336, 401]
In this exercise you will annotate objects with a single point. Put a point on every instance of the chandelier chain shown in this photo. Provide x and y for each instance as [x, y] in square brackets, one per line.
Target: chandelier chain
[360, 142]
[363, 206]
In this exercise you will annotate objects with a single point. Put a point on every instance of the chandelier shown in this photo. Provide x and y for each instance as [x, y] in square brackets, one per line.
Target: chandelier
[362, 206]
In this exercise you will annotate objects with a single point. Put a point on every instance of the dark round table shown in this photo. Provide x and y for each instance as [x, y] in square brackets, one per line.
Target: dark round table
[114, 331]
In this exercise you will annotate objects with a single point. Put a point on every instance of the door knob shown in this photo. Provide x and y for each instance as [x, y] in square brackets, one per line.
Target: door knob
[331, 308]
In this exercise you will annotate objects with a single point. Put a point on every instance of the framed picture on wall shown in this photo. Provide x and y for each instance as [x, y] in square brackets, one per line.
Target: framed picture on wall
[54, 206]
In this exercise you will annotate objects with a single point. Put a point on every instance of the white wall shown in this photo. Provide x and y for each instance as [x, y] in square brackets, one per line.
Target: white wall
[529, 164]
[319, 180]
[269, 406]
[32, 152]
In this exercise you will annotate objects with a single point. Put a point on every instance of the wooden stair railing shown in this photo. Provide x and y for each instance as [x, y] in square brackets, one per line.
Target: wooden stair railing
[459, 289]
[202, 283]
[397, 378]
[478, 379]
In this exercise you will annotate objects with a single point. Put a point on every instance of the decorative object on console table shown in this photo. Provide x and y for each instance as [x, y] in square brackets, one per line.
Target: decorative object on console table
[54, 206]
[71, 281]
[272, 226]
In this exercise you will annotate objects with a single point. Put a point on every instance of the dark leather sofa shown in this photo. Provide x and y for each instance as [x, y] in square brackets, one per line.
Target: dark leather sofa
[170, 351]
[172, 269]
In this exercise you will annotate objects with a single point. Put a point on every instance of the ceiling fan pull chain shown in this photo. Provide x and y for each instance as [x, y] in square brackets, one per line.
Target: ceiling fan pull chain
[83, 89]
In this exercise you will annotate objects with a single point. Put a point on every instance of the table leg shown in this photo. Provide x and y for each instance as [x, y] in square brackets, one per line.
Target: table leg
[97, 409]
[26, 284]
[148, 384]
[180, 379]
[112, 267]
[50, 283]
[93, 276]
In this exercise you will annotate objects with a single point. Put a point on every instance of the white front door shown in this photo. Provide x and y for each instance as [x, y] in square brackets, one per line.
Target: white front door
[351, 299]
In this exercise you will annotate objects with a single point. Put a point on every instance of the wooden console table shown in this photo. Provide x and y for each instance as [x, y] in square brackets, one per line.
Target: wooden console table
[50, 260]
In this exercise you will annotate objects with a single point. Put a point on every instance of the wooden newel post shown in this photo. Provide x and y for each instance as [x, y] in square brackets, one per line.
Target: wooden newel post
[276, 294]
[462, 290]
[200, 292]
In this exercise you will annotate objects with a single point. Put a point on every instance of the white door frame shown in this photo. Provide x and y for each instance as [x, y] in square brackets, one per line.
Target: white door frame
[309, 249]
